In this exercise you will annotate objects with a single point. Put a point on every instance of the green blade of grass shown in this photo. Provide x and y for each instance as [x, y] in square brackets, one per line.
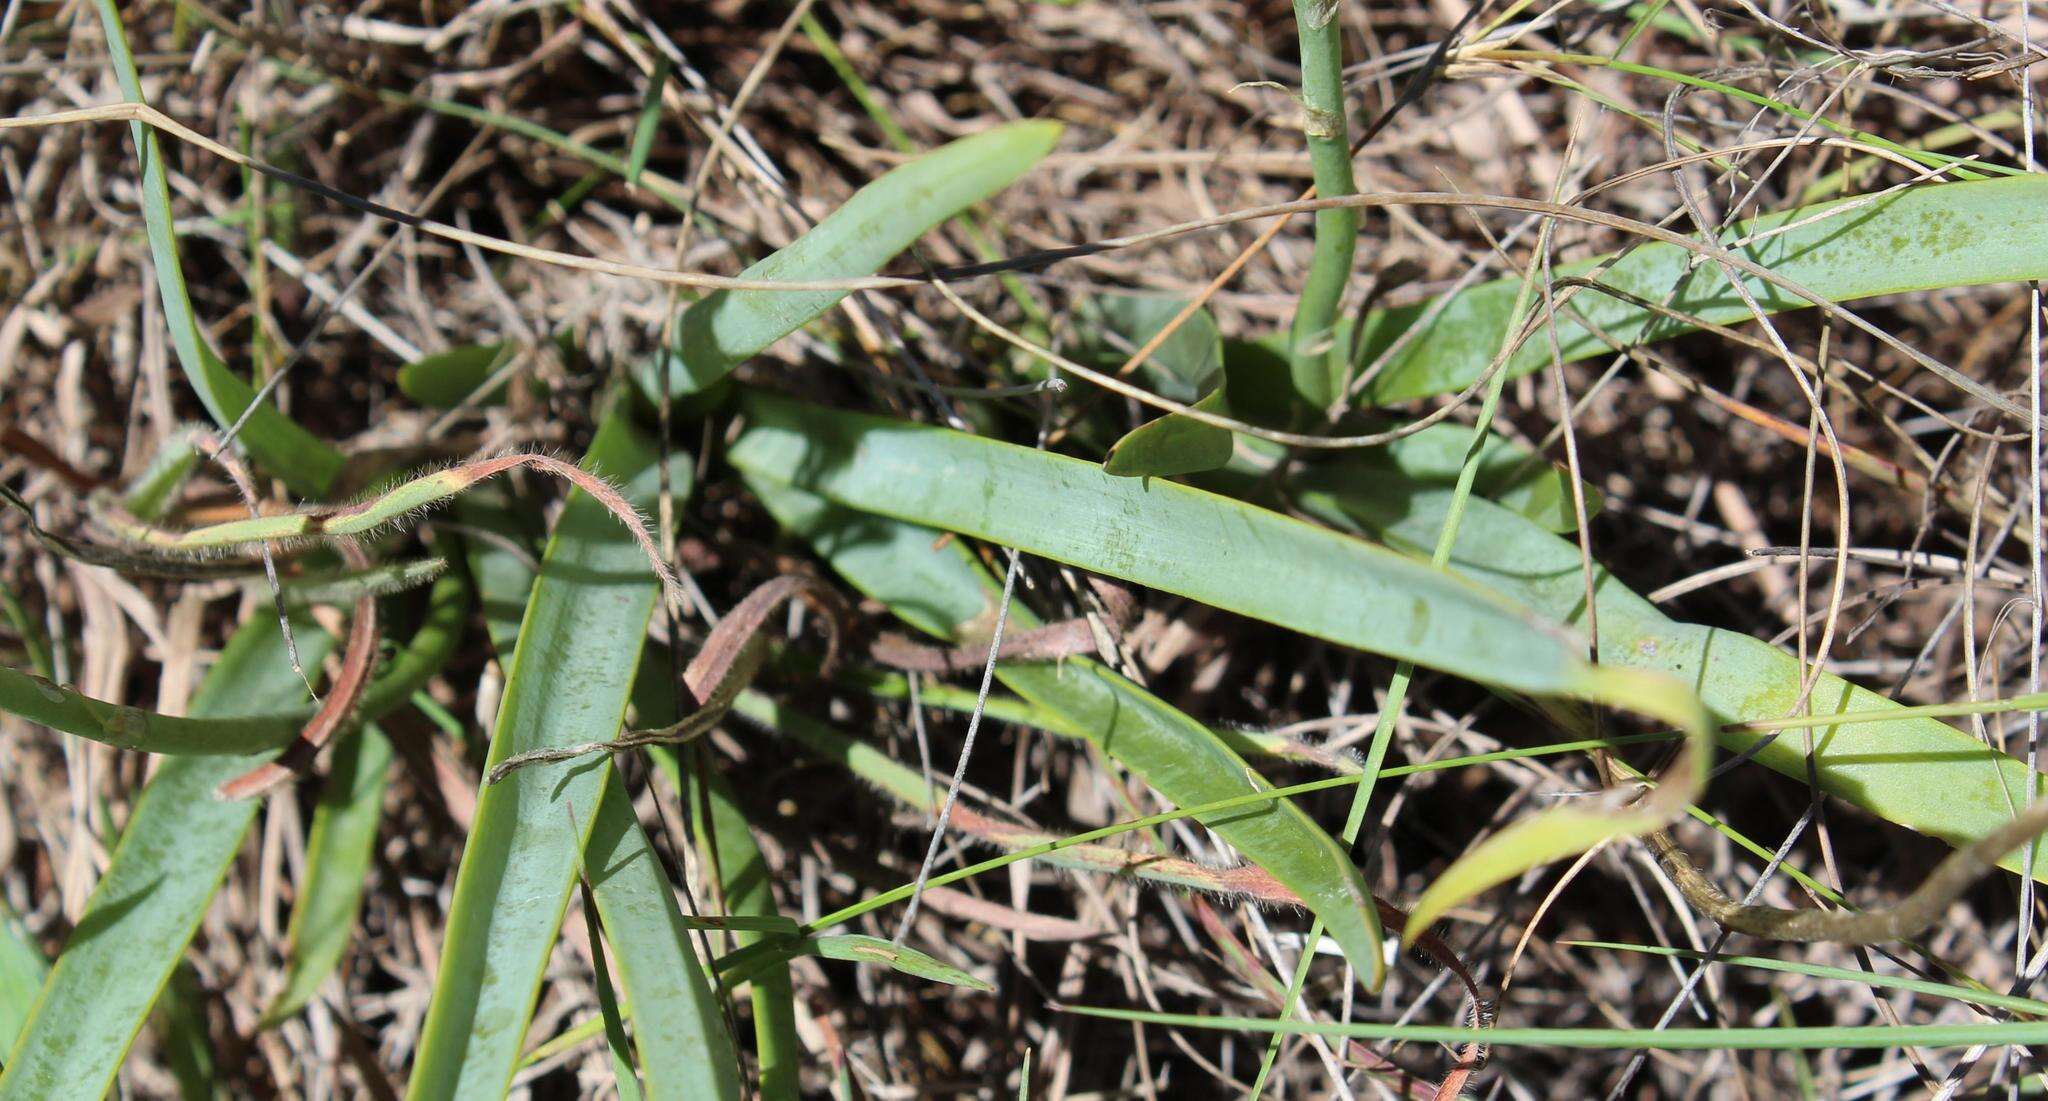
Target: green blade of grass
[170, 860]
[945, 590]
[857, 948]
[624, 1078]
[1623, 1039]
[1212, 549]
[1948, 991]
[728, 842]
[338, 851]
[303, 460]
[1922, 238]
[870, 229]
[568, 682]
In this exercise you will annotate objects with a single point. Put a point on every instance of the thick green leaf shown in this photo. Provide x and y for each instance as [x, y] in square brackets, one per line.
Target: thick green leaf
[338, 852]
[22, 970]
[1183, 368]
[171, 859]
[875, 224]
[443, 379]
[568, 683]
[174, 852]
[303, 460]
[677, 1025]
[1208, 548]
[945, 591]
[1173, 444]
[1918, 772]
[1949, 235]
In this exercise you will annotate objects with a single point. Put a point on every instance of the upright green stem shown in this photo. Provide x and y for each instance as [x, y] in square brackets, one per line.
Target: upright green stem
[1317, 363]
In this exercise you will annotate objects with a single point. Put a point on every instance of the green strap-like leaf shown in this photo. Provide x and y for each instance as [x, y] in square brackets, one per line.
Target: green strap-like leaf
[1918, 772]
[878, 222]
[338, 852]
[1951, 235]
[1202, 546]
[943, 590]
[22, 970]
[568, 683]
[677, 1025]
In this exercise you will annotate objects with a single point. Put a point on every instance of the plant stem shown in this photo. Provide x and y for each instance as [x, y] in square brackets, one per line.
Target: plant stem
[1315, 360]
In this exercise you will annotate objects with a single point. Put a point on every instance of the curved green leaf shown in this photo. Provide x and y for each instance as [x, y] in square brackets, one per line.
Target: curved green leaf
[1922, 238]
[338, 852]
[876, 223]
[442, 380]
[59, 708]
[945, 591]
[1202, 546]
[303, 460]
[1920, 773]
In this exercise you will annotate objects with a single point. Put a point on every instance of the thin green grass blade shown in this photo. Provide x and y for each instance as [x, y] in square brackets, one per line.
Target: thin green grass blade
[338, 852]
[1949, 991]
[624, 1078]
[649, 120]
[1923, 238]
[727, 839]
[170, 860]
[677, 1025]
[874, 225]
[568, 683]
[857, 948]
[1621, 1039]
[945, 591]
[303, 460]
[1212, 549]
